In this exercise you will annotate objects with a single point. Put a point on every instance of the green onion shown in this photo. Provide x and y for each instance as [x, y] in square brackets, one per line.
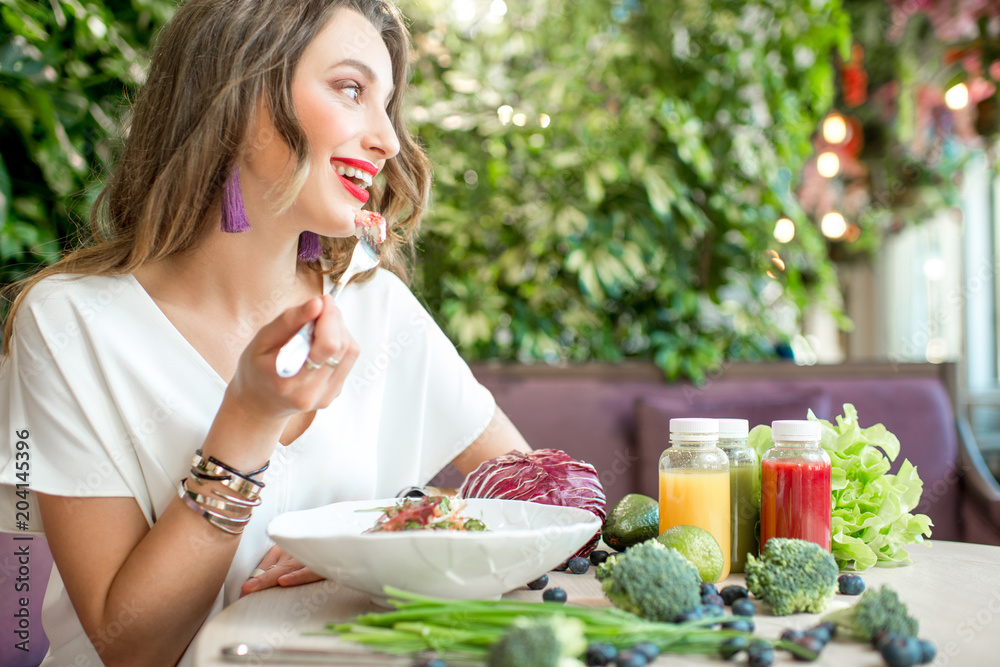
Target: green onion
[465, 629]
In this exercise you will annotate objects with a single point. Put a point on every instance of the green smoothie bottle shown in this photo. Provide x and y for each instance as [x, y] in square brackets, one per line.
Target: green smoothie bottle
[744, 489]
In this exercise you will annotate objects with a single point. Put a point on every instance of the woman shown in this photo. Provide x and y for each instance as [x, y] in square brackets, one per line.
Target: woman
[141, 368]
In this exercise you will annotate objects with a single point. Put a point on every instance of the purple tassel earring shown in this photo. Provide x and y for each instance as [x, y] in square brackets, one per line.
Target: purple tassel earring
[309, 247]
[234, 216]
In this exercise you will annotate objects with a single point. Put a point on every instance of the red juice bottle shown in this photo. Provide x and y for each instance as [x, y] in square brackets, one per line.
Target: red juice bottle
[795, 496]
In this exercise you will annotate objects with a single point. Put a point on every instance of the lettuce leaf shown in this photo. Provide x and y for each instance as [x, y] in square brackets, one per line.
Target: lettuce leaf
[872, 520]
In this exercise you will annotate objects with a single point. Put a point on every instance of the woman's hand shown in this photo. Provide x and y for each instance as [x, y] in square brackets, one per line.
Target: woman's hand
[256, 385]
[258, 402]
[278, 569]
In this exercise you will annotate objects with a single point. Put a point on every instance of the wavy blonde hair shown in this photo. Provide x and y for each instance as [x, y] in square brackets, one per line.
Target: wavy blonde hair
[213, 63]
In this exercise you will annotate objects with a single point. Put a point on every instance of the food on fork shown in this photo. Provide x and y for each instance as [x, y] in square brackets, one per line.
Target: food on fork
[370, 226]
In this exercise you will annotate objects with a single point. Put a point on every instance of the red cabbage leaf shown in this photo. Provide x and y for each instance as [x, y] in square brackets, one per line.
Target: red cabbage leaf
[546, 476]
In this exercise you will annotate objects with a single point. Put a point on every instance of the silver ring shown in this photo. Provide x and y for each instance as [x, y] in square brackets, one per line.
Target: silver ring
[312, 365]
[332, 362]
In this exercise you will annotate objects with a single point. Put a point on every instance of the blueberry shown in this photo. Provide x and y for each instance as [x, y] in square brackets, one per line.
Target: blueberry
[554, 595]
[810, 643]
[739, 624]
[851, 584]
[561, 567]
[791, 635]
[600, 653]
[733, 593]
[630, 658]
[695, 614]
[927, 651]
[729, 648]
[760, 653]
[648, 649]
[429, 660]
[578, 565]
[744, 607]
[598, 556]
[539, 583]
[708, 589]
[901, 652]
[881, 638]
[822, 635]
[713, 610]
[829, 626]
[715, 600]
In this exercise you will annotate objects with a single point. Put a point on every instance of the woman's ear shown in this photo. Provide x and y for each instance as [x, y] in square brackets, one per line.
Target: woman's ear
[261, 131]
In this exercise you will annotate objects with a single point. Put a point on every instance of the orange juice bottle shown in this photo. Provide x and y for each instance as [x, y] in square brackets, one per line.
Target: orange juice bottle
[694, 482]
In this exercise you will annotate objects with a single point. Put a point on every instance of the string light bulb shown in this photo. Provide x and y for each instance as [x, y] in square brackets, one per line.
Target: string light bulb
[828, 164]
[784, 230]
[834, 129]
[833, 225]
[957, 97]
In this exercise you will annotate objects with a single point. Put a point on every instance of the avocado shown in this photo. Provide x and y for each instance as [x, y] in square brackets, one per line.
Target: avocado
[635, 518]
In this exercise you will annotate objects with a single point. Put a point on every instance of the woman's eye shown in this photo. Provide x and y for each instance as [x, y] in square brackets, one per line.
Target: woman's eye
[353, 91]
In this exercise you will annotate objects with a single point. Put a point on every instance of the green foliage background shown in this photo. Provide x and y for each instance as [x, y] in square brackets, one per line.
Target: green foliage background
[636, 222]
[65, 68]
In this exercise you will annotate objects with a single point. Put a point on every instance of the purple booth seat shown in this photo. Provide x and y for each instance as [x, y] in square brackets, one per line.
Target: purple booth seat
[23, 577]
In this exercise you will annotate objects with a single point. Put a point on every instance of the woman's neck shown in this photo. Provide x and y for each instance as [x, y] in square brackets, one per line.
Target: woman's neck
[233, 274]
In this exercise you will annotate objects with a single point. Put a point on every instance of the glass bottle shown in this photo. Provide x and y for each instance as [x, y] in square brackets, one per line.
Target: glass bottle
[694, 482]
[795, 485]
[744, 490]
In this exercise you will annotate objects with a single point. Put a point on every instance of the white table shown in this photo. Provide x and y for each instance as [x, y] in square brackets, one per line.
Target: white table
[952, 588]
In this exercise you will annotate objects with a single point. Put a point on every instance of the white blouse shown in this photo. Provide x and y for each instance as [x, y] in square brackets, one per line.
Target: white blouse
[115, 401]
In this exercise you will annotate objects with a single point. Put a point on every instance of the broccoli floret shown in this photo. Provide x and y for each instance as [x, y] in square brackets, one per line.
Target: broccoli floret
[651, 581]
[554, 641]
[792, 575]
[876, 611]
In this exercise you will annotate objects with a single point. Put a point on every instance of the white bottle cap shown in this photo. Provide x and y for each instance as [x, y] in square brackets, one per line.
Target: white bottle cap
[695, 429]
[733, 428]
[795, 430]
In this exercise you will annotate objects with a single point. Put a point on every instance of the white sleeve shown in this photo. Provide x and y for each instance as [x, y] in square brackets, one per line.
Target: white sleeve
[51, 393]
[433, 407]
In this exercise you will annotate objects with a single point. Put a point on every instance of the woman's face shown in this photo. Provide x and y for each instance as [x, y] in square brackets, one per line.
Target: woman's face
[341, 89]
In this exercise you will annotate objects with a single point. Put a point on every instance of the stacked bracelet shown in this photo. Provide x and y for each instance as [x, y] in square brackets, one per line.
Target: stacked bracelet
[225, 523]
[229, 512]
[226, 503]
[239, 482]
[247, 475]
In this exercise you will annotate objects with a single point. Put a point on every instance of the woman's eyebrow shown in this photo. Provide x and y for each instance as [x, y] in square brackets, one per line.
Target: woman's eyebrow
[362, 67]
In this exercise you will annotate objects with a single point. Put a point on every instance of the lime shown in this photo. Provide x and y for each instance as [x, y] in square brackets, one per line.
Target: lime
[635, 518]
[699, 546]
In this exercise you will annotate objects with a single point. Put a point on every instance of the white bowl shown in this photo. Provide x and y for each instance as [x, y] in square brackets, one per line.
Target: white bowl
[524, 540]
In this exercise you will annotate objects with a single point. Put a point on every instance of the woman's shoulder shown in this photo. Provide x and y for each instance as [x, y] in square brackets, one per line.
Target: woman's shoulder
[386, 285]
[385, 299]
[66, 293]
[70, 285]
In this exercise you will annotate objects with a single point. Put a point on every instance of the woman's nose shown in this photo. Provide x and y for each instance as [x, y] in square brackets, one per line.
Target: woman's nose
[381, 137]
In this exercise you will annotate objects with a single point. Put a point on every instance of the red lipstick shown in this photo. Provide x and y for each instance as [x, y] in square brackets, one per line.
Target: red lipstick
[359, 193]
[364, 165]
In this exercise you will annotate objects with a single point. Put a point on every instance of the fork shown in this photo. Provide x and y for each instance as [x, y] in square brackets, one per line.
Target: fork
[294, 353]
